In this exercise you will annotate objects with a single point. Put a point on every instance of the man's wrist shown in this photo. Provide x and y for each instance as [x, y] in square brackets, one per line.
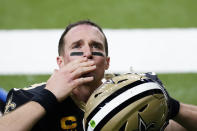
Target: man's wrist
[46, 99]
[174, 108]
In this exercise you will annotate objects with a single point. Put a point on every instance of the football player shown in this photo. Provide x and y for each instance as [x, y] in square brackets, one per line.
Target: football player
[59, 103]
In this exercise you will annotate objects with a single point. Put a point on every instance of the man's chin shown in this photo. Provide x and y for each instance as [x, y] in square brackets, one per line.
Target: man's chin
[91, 83]
[95, 82]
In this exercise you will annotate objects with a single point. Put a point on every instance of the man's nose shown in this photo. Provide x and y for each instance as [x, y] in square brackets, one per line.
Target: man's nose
[87, 52]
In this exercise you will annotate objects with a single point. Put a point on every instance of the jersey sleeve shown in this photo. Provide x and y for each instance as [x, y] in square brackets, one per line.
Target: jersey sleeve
[18, 97]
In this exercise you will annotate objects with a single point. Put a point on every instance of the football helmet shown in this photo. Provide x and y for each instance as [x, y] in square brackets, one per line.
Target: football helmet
[128, 102]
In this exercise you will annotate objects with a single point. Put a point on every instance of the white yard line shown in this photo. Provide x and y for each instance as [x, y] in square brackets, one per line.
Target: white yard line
[158, 50]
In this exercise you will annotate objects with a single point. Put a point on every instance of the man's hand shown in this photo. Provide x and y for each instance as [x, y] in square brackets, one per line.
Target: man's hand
[64, 80]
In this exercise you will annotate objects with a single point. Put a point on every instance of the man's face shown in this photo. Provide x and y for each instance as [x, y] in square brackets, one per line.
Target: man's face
[86, 39]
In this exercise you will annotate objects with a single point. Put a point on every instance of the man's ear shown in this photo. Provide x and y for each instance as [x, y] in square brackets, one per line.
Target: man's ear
[60, 61]
[107, 62]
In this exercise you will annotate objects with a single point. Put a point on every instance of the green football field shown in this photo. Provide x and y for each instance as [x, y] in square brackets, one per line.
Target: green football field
[27, 14]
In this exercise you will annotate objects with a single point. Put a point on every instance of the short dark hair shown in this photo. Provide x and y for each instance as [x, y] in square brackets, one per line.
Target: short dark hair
[70, 26]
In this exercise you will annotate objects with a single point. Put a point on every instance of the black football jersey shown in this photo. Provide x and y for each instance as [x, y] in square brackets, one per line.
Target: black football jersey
[66, 117]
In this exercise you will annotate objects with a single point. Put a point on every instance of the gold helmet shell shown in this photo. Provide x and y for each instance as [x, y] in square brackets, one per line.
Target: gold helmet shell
[129, 102]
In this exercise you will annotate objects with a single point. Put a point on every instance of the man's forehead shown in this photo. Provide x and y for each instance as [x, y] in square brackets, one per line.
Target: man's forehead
[83, 28]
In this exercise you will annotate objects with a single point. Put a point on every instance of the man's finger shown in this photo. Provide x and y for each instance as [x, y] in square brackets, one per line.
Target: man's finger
[83, 70]
[82, 64]
[72, 65]
[82, 80]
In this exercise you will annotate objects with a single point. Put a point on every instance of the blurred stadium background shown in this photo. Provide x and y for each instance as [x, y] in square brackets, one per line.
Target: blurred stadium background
[53, 15]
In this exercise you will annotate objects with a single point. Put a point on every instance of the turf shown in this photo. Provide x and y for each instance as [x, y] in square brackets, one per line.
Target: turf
[42, 14]
[20, 81]
[183, 87]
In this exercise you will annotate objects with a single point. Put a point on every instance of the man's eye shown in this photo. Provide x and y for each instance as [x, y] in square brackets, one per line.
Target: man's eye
[96, 46]
[76, 46]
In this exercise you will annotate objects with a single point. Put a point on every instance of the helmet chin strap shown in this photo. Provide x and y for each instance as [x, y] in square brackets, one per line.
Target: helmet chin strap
[81, 53]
